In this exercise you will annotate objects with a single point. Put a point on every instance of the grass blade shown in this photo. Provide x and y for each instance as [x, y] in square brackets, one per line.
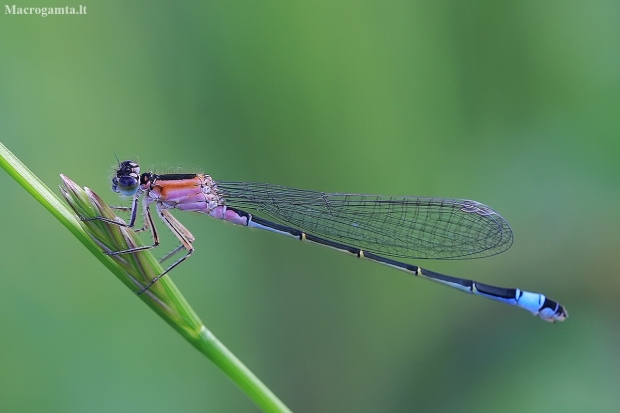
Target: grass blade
[136, 269]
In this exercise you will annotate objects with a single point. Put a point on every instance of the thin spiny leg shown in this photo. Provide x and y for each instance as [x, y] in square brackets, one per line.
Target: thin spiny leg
[181, 233]
[132, 221]
[130, 210]
[148, 223]
[171, 253]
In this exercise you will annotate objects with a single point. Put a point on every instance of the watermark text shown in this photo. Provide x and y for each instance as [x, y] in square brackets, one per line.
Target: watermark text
[44, 11]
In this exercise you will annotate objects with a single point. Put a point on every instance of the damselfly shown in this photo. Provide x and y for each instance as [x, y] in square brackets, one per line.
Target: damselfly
[373, 227]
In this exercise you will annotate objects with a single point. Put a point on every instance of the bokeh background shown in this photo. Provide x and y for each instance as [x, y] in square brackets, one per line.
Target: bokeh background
[515, 104]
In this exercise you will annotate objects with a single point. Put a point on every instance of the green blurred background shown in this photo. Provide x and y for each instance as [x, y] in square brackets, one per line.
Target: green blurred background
[515, 104]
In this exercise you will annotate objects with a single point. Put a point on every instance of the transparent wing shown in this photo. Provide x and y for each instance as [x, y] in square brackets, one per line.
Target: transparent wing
[399, 226]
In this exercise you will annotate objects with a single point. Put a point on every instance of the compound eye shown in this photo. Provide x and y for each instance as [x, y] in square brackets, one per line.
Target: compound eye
[126, 184]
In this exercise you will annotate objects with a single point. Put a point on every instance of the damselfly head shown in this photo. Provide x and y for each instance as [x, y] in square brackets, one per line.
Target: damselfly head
[127, 179]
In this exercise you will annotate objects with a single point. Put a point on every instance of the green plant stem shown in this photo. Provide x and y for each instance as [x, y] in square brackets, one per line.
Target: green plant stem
[164, 298]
